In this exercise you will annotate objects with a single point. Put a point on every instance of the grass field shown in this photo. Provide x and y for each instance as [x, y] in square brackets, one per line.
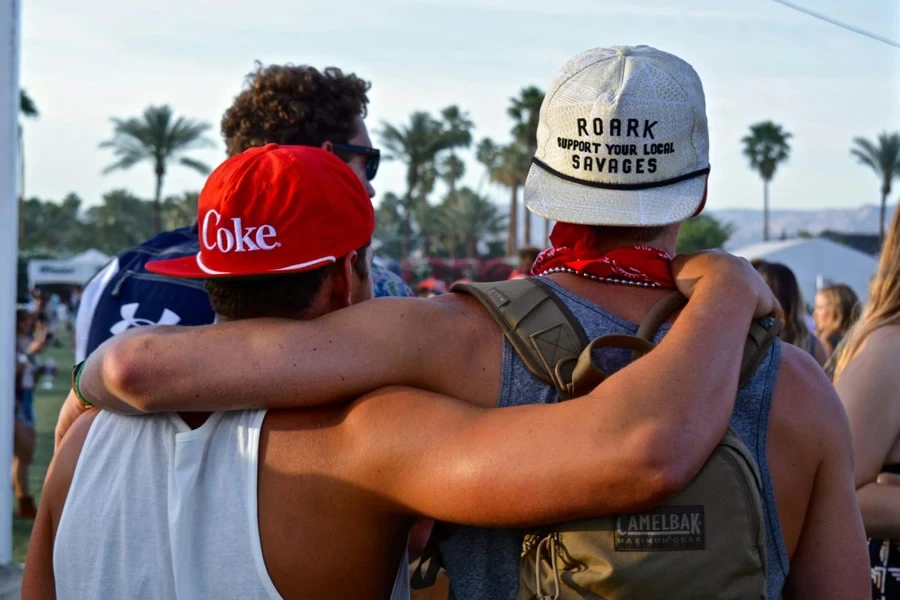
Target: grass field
[46, 408]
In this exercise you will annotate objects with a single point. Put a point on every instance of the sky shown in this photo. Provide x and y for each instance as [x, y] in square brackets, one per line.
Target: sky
[85, 62]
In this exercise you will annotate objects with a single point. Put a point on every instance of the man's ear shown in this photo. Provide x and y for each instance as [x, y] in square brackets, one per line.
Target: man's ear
[343, 273]
[327, 146]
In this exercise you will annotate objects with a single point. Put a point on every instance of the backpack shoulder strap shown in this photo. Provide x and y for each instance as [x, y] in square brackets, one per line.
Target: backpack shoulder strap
[539, 326]
[763, 334]
[585, 376]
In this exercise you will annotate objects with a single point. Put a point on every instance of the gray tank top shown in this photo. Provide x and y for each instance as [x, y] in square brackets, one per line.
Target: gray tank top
[483, 564]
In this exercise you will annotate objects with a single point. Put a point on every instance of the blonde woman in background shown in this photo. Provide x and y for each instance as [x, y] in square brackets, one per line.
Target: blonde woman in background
[784, 285]
[867, 377]
[836, 310]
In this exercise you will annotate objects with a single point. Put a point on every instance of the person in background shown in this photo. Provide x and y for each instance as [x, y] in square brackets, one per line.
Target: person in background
[527, 256]
[836, 310]
[43, 326]
[289, 105]
[23, 432]
[125, 295]
[867, 378]
[431, 287]
[298, 105]
[785, 287]
[72, 306]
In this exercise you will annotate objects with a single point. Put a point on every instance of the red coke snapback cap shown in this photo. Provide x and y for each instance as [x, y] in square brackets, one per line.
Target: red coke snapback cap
[276, 210]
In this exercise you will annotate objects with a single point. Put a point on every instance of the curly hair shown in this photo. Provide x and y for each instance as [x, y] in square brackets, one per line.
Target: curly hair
[295, 105]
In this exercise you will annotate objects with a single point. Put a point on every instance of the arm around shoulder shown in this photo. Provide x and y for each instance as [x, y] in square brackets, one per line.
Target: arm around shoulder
[434, 456]
[273, 363]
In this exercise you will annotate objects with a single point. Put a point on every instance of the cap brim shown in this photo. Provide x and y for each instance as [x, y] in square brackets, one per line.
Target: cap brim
[192, 267]
[554, 198]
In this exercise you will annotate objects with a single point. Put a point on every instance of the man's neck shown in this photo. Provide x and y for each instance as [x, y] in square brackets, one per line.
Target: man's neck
[665, 242]
[628, 302]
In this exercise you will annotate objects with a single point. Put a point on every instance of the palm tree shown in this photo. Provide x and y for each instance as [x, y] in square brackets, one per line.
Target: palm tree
[884, 159]
[180, 211]
[122, 220]
[389, 224]
[509, 170]
[504, 165]
[452, 169]
[27, 108]
[457, 134]
[431, 225]
[417, 145]
[475, 218]
[766, 146]
[486, 153]
[157, 136]
[525, 110]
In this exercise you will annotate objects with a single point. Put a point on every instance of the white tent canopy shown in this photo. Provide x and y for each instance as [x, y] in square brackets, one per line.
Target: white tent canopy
[817, 262]
[74, 271]
[91, 257]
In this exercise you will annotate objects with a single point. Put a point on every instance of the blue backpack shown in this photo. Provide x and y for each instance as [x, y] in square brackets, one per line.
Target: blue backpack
[135, 297]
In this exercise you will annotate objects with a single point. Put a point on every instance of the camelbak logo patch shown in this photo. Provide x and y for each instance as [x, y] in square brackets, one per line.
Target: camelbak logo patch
[662, 530]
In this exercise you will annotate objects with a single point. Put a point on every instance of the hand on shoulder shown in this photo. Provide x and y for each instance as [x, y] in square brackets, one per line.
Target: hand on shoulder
[725, 274]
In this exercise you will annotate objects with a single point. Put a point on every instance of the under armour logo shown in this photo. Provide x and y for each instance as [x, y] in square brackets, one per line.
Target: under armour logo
[128, 319]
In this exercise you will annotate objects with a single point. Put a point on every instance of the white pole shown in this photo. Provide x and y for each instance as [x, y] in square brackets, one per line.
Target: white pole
[9, 245]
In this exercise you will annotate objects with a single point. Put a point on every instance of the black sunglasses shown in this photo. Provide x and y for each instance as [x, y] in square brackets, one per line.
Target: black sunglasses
[373, 157]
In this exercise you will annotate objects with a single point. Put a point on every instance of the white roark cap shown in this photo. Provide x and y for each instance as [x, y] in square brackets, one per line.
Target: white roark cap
[622, 140]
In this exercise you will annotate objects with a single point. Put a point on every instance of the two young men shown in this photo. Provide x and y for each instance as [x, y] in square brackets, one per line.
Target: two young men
[251, 504]
[622, 159]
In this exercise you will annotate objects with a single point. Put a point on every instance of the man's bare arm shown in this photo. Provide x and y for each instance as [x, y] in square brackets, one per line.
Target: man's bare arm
[293, 364]
[831, 558]
[266, 362]
[638, 438]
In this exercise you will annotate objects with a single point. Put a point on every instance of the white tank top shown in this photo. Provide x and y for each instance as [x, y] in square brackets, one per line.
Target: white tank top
[158, 510]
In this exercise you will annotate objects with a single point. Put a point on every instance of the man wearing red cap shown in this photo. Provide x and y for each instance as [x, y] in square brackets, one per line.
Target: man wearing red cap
[319, 502]
[622, 159]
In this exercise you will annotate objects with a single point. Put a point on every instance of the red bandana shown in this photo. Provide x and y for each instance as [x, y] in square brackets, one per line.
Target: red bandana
[574, 251]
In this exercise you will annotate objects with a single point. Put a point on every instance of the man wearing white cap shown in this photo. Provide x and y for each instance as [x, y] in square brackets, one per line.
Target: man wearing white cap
[622, 159]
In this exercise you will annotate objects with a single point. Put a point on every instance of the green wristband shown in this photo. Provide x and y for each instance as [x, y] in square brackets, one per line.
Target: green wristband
[76, 379]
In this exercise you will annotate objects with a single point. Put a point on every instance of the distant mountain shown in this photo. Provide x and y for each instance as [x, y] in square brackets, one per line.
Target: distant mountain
[749, 222]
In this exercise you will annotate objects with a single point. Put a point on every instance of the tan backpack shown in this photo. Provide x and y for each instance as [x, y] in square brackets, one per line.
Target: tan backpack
[708, 541]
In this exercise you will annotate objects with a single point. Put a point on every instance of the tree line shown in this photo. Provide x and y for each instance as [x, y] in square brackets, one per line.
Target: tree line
[57, 228]
[463, 219]
[459, 222]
